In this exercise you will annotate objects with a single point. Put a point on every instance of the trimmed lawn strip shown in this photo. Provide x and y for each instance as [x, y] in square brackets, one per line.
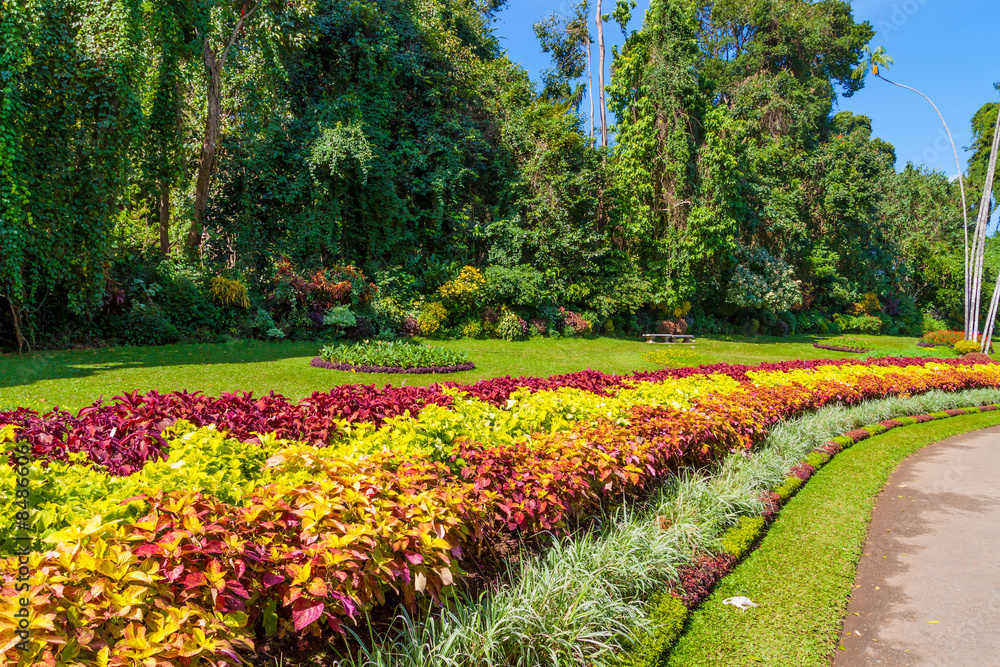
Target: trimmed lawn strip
[802, 573]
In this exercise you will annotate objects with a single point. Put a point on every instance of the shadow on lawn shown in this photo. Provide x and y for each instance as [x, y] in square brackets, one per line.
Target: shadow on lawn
[18, 370]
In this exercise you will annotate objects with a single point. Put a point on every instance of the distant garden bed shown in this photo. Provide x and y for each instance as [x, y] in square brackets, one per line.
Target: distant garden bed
[392, 357]
[844, 344]
[318, 362]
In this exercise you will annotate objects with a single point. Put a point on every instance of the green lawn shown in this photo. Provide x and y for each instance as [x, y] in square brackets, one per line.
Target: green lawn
[803, 571]
[76, 378]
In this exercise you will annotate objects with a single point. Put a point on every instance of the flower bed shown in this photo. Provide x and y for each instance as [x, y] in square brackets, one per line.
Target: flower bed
[401, 356]
[315, 536]
[844, 344]
[319, 362]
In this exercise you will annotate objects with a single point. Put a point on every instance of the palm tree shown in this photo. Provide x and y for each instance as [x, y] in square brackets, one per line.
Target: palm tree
[873, 61]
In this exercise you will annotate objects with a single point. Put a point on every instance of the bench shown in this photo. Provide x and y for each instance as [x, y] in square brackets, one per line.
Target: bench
[669, 338]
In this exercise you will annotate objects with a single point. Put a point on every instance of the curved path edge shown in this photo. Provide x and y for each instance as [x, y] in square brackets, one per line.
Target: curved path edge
[741, 639]
[927, 590]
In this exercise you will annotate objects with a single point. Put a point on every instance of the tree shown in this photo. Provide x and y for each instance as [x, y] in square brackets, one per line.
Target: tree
[270, 22]
[601, 53]
[568, 40]
[875, 62]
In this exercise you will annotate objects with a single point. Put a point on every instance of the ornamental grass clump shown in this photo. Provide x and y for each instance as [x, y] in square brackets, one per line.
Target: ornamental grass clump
[394, 354]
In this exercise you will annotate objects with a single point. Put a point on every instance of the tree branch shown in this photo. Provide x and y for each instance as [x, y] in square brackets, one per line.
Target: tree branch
[236, 33]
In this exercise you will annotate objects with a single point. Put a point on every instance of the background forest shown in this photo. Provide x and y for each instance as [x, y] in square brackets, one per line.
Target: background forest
[313, 169]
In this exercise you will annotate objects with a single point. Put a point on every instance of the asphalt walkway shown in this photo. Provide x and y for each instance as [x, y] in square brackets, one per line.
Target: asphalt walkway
[928, 584]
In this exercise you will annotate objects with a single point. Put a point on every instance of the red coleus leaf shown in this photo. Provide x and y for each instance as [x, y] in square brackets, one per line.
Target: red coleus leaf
[305, 612]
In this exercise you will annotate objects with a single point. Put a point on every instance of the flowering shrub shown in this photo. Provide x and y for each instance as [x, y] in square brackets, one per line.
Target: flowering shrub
[431, 317]
[461, 293]
[948, 338]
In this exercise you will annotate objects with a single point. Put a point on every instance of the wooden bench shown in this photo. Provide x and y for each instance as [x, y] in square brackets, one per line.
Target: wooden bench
[669, 338]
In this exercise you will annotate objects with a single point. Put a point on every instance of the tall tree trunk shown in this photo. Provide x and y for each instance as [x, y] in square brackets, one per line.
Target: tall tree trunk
[165, 217]
[590, 84]
[16, 312]
[979, 240]
[979, 250]
[214, 65]
[965, 207]
[213, 79]
[601, 54]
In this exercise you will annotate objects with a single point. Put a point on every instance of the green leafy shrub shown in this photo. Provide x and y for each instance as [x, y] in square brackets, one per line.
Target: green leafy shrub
[876, 429]
[966, 347]
[340, 317]
[511, 327]
[843, 440]
[146, 324]
[867, 324]
[397, 354]
[472, 329]
[432, 316]
[666, 624]
[738, 539]
[817, 459]
[521, 285]
[763, 282]
[931, 324]
[788, 488]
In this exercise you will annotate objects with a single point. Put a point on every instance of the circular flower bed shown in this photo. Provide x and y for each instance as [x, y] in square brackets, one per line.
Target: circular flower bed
[318, 362]
[392, 357]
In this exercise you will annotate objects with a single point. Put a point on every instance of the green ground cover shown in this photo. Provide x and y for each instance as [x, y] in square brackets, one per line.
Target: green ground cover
[76, 378]
[802, 573]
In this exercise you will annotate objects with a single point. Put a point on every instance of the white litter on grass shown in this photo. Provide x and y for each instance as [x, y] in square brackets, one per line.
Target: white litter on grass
[741, 603]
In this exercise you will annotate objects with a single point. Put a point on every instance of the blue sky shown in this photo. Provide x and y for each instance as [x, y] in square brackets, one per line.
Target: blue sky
[941, 47]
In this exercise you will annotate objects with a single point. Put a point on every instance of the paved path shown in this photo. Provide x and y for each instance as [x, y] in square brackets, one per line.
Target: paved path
[928, 585]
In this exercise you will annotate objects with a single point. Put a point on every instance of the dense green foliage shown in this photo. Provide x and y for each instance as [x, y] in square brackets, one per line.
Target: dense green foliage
[397, 137]
[393, 355]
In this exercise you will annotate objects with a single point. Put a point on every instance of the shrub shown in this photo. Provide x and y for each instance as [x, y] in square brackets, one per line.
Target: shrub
[675, 326]
[763, 282]
[574, 322]
[964, 347]
[538, 326]
[522, 285]
[868, 324]
[738, 539]
[146, 324]
[432, 316]
[340, 317]
[393, 355]
[978, 357]
[666, 623]
[462, 292]
[472, 329]
[942, 337]
[931, 324]
[788, 488]
[230, 293]
[511, 327]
